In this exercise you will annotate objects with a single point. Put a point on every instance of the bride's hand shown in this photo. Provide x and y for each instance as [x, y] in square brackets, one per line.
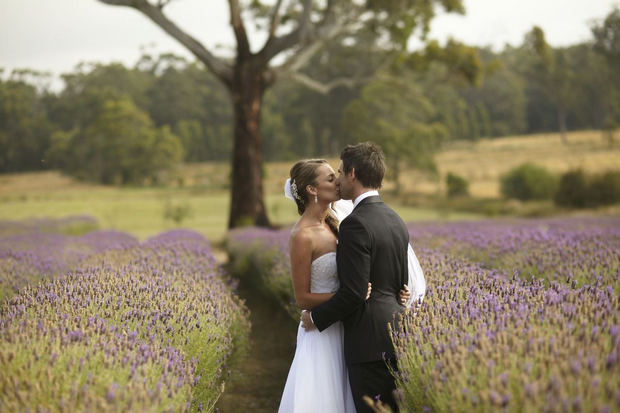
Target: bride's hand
[369, 290]
[404, 295]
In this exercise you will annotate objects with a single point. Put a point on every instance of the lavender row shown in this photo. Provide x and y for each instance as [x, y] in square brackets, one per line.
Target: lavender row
[150, 327]
[259, 258]
[485, 342]
[71, 225]
[577, 250]
[30, 255]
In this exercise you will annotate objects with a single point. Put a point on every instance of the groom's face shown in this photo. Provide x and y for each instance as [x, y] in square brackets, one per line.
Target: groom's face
[344, 183]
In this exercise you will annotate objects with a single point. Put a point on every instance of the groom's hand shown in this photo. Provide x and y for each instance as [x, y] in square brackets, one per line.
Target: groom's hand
[306, 321]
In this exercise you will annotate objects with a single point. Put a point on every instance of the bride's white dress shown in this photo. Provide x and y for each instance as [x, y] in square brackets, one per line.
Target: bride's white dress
[318, 380]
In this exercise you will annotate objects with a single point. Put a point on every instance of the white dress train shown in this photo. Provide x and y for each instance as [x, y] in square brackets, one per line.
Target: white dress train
[318, 380]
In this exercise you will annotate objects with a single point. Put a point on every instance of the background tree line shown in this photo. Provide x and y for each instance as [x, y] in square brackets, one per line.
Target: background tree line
[116, 124]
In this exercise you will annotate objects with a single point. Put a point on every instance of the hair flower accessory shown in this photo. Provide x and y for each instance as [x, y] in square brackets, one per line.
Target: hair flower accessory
[290, 190]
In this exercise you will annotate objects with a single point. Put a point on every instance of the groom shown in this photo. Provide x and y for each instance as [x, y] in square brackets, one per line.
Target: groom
[372, 247]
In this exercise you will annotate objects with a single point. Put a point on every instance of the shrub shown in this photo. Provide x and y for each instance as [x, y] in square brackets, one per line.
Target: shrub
[457, 185]
[527, 182]
[177, 212]
[605, 188]
[578, 190]
[572, 189]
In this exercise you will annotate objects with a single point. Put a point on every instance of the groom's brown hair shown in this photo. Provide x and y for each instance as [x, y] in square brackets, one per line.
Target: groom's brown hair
[368, 161]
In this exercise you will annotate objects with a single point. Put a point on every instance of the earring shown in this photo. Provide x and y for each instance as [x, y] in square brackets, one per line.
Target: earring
[316, 199]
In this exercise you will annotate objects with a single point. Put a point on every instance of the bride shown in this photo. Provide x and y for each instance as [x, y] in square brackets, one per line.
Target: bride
[318, 379]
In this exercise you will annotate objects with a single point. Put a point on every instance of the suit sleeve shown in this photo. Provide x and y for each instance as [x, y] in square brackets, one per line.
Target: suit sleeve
[353, 258]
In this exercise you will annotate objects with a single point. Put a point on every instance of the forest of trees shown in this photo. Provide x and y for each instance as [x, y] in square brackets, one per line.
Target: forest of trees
[117, 124]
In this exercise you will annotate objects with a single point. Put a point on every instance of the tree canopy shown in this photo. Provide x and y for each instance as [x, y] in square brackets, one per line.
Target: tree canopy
[294, 31]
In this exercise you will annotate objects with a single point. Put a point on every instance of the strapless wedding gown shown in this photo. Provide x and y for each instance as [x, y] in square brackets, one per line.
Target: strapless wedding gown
[318, 380]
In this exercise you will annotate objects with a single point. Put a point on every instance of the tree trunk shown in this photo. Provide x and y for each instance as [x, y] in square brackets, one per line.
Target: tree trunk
[562, 124]
[247, 206]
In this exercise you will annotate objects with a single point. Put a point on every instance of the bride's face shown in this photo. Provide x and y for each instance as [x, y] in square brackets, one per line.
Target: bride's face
[326, 187]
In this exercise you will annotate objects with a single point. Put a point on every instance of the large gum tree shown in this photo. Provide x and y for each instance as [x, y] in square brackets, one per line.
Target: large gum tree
[295, 31]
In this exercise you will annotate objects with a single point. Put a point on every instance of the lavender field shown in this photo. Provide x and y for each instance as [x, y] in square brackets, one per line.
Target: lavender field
[519, 316]
[102, 322]
[37, 250]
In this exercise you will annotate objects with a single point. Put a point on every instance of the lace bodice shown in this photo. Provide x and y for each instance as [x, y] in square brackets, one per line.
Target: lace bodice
[323, 274]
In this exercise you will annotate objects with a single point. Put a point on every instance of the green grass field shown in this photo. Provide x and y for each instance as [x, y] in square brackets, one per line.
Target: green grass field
[201, 188]
[140, 211]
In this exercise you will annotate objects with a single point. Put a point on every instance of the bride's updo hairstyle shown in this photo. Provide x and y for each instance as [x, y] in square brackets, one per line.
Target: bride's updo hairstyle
[304, 173]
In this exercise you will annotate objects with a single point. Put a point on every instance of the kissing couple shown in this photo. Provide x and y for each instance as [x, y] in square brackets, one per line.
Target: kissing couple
[353, 272]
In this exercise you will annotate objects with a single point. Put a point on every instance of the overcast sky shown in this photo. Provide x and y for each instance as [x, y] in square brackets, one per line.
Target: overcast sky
[55, 35]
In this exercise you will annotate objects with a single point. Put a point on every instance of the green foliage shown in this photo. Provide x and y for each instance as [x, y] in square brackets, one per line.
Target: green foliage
[397, 19]
[24, 127]
[572, 189]
[554, 73]
[498, 105]
[456, 185]
[607, 36]
[194, 104]
[578, 190]
[174, 92]
[276, 141]
[607, 77]
[536, 42]
[89, 87]
[120, 146]
[461, 60]
[605, 188]
[528, 182]
[394, 113]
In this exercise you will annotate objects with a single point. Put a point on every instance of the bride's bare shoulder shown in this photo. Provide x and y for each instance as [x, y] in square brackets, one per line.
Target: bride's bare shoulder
[300, 231]
[301, 236]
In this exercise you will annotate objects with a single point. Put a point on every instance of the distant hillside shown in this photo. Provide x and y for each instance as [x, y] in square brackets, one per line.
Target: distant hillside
[482, 162]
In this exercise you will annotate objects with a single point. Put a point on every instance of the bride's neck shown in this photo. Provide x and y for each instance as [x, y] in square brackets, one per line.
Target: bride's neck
[316, 213]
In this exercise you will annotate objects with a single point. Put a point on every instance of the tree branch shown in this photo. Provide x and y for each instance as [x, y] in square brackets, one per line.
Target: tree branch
[305, 53]
[220, 68]
[275, 45]
[325, 88]
[334, 23]
[299, 59]
[243, 45]
[275, 19]
[162, 3]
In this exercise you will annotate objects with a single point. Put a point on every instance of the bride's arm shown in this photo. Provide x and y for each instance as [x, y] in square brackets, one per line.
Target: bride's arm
[301, 260]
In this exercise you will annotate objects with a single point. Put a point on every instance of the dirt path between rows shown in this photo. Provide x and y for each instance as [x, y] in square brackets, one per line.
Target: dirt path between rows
[258, 380]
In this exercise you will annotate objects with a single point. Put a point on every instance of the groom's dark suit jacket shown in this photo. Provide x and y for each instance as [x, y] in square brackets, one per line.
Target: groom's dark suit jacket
[372, 247]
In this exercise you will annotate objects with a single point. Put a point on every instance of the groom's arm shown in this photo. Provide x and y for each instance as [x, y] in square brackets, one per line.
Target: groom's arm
[353, 258]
